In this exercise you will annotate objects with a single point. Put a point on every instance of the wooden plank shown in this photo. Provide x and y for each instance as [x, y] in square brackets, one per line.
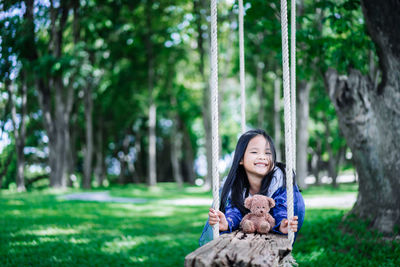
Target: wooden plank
[240, 249]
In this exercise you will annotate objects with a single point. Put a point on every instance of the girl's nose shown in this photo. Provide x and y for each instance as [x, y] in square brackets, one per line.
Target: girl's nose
[261, 156]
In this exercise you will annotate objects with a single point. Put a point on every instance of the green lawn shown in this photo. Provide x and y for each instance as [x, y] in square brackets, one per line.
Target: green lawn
[40, 229]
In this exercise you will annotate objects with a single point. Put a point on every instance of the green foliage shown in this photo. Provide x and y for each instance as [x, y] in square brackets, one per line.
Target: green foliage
[9, 175]
[106, 47]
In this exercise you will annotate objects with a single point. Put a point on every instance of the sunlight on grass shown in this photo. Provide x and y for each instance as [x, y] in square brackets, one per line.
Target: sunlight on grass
[15, 202]
[51, 231]
[139, 259]
[122, 243]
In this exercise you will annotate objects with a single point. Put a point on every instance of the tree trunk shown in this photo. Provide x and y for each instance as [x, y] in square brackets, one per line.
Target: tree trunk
[303, 93]
[123, 159]
[198, 5]
[71, 150]
[370, 120]
[176, 149]
[4, 167]
[188, 157]
[99, 170]
[260, 93]
[332, 162]
[19, 130]
[277, 118]
[152, 167]
[138, 150]
[315, 166]
[87, 161]
[56, 121]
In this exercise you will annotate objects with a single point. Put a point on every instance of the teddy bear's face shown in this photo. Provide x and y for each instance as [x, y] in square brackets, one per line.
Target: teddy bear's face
[259, 204]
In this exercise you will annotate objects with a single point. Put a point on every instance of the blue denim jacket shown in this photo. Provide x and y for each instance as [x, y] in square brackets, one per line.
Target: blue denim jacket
[279, 212]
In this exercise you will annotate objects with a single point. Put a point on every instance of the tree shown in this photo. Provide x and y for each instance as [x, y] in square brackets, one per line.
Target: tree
[370, 121]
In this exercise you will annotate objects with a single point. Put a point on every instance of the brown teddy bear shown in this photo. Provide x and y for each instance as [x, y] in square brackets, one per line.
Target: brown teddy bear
[258, 220]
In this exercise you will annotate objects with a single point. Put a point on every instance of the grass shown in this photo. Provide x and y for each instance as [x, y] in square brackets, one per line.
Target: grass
[40, 229]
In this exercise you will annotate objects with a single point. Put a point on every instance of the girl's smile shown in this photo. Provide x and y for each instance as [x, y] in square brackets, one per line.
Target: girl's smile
[257, 159]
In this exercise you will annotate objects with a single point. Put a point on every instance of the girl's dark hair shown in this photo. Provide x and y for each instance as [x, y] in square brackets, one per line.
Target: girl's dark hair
[237, 182]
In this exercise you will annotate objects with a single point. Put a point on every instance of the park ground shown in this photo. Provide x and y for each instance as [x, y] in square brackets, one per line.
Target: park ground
[137, 226]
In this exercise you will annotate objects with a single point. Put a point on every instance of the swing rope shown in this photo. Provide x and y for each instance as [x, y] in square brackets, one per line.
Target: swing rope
[288, 116]
[289, 99]
[214, 112]
[293, 76]
[242, 73]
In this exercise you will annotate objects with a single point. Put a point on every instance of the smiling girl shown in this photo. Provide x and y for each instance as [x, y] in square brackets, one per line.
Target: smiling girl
[254, 171]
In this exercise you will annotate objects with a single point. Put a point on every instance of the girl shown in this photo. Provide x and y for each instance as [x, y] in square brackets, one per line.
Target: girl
[254, 171]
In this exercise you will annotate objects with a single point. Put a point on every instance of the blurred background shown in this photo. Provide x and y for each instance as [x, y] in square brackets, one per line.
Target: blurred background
[114, 96]
[91, 91]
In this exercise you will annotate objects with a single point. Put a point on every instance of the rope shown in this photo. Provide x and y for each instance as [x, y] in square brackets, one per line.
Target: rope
[214, 111]
[287, 113]
[293, 76]
[242, 73]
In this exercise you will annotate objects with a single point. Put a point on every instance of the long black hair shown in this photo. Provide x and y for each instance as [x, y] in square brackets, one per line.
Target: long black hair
[237, 182]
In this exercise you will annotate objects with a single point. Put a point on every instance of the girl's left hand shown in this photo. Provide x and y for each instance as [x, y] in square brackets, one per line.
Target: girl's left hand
[284, 227]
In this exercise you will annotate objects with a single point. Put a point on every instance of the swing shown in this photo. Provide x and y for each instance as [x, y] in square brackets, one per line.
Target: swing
[238, 248]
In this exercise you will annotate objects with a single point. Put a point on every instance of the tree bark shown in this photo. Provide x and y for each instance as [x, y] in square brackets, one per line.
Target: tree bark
[369, 118]
[277, 118]
[303, 93]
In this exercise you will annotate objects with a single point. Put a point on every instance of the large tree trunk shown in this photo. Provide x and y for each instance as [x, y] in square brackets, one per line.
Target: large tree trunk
[303, 93]
[56, 121]
[277, 118]
[369, 118]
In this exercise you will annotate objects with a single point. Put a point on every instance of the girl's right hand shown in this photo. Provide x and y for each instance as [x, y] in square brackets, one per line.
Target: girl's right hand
[215, 216]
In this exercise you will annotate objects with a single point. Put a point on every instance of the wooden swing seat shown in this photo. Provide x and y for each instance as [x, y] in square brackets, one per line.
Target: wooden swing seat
[240, 249]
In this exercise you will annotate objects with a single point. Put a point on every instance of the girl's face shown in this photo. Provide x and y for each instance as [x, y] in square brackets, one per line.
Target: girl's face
[257, 159]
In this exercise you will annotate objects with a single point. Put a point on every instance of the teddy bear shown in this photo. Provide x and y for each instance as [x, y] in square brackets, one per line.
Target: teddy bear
[258, 220]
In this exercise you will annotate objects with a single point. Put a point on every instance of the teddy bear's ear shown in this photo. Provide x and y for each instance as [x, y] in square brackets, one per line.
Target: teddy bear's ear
[271, 202]
[247, 202]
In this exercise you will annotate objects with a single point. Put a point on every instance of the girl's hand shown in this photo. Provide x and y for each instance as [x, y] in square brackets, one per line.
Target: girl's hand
[284, 227]
[215, 216]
